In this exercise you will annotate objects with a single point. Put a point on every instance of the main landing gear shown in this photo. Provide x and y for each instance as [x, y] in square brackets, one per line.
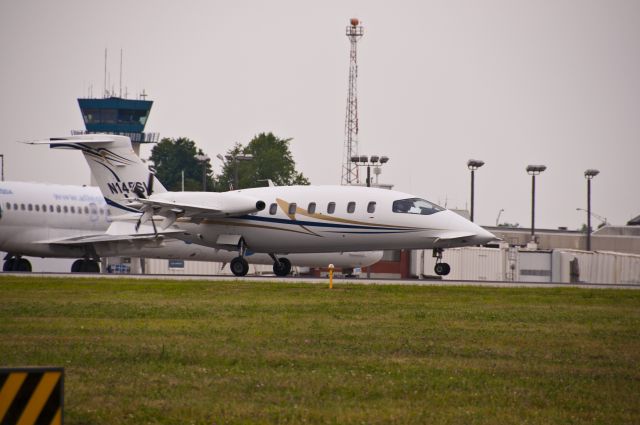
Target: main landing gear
[239, 265]
[281, 266]
[15, 263]
[441, 269]
[85, 266]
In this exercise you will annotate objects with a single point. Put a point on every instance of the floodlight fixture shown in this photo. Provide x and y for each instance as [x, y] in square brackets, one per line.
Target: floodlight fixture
[384, 159]
[374, 158]
[474, 164]
[591, 173]
[364, 158]
[535, 169]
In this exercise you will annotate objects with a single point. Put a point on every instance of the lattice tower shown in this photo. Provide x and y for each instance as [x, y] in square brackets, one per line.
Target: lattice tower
[349, 169]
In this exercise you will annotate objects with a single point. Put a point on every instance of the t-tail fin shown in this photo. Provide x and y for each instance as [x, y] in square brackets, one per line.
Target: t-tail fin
[120, 173]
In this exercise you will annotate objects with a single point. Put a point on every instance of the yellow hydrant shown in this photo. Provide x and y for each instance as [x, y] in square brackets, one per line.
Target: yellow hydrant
[331, 267]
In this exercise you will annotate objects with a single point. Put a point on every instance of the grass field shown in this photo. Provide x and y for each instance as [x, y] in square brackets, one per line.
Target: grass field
[191, 352]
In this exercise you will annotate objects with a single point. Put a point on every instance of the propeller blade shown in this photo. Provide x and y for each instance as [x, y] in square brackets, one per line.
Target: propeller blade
[150, 184]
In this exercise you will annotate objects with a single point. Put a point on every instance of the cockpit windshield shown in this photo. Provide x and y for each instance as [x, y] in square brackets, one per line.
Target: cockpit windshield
[415, 206]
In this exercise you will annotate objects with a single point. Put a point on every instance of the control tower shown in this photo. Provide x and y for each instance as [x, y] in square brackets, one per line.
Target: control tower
[116, 115]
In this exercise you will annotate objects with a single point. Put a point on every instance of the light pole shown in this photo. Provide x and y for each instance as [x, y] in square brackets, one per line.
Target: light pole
[473, 165]
[2, 158]
[589, 175]
[234, 159]
[374, 160]
[534, 170]
[203, 159]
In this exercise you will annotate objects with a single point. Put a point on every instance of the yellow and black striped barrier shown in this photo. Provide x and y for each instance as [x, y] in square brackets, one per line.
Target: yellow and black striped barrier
[31, 396]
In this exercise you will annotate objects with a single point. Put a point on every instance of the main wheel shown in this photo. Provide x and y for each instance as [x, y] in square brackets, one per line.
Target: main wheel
[282, 267]
[92, 267]
[8, 265]
[24, 265]
[77, 266]
[239, 266]
[442, 269]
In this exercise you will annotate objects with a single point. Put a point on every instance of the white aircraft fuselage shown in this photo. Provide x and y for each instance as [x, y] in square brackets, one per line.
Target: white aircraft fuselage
[343, 218]
[39, 219]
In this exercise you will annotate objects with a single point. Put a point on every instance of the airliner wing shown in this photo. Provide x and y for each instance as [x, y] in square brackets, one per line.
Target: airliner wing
[118, 231]
[102, 237]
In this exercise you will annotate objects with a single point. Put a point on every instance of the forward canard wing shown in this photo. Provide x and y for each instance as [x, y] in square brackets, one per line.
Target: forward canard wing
[450, 238]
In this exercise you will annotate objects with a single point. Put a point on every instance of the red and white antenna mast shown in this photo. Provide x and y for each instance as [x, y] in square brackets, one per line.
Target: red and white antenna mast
[350, 169]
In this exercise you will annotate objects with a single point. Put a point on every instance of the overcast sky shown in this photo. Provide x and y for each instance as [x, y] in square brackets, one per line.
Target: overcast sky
[510, 82]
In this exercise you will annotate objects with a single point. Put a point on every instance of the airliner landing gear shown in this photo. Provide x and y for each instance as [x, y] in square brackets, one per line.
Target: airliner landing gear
[441, 269]
[239, 265]
[281, 266]
[16, 264]
[85, 266]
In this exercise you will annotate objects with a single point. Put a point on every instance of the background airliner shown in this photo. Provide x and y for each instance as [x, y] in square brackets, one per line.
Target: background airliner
[63, 221]
[273, 220]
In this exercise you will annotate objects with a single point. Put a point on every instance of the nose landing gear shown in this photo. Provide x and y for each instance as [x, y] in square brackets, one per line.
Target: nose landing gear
[441, 269]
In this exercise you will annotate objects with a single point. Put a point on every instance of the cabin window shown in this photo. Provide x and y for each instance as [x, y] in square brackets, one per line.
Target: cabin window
[351, 207]
[65, 209]
[37, 207]
[371, 207]
[79, 210]
[73, 209]
[331, 208]
[22, 207]
[15, 206]
[415, 206]
[58, 209]
[86, 210]
[292, 208]
[44, 207]
[8, 205]
[273, 209]
[30, 207]
[50, 208]
[311, 208]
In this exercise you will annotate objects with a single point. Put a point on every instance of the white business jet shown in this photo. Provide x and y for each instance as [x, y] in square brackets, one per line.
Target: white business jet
[273, 220]
[63, 221]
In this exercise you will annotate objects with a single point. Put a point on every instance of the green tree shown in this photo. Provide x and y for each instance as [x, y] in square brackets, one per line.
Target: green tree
[172, 156]
[272, 160]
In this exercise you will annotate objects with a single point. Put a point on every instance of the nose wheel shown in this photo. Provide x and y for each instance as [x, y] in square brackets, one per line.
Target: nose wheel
[441, 269]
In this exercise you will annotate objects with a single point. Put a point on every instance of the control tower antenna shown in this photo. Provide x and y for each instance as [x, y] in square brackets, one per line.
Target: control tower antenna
[120, 74]
[104, 87]
[350, 169]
